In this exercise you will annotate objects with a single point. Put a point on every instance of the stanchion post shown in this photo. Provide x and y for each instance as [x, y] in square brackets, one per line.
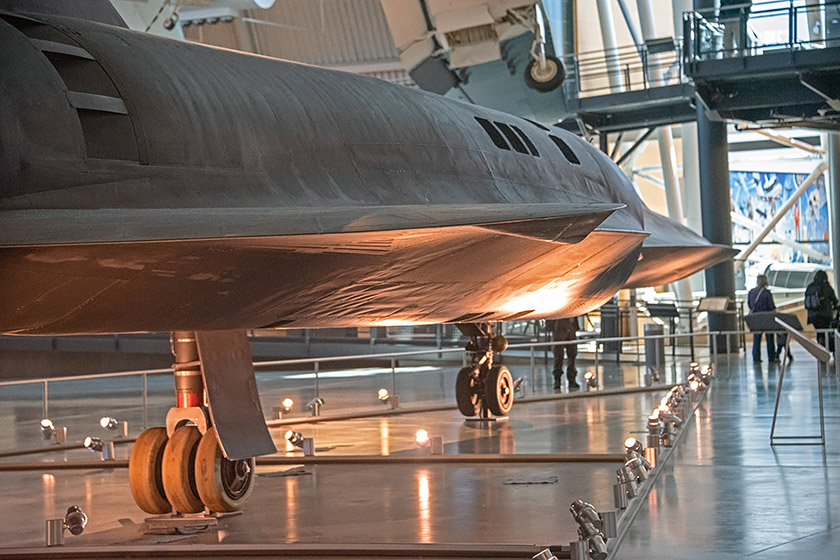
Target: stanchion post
[533, 372]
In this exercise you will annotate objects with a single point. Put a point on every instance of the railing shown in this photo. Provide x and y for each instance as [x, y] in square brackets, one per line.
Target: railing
[638, 362]
[655, 63]
[747, 30]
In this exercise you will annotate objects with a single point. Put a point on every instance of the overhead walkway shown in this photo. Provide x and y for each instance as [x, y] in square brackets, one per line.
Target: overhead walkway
[786, 74]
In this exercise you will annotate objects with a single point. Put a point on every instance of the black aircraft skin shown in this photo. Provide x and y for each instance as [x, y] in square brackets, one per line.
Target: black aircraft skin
[150, 184]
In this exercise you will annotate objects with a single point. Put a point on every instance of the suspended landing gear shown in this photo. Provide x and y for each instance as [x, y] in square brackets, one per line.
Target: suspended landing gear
[543, 72]
[181, 469]
[482, 388]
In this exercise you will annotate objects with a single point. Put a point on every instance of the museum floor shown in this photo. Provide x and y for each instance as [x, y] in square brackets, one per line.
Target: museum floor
[724, 493]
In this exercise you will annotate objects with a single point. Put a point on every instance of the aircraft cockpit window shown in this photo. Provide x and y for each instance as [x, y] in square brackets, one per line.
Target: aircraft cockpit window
[494, 135]
[567, 151]
[531, 147]
[514, 140]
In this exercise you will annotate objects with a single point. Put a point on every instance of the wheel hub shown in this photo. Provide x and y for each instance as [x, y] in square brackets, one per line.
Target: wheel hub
[544, 73]
[236, 477]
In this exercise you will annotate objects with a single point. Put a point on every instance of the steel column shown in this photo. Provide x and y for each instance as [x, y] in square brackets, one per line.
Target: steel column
[713, 159]
[833, 191]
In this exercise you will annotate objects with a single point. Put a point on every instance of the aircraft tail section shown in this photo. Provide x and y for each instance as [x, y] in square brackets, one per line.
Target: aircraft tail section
[672, 252]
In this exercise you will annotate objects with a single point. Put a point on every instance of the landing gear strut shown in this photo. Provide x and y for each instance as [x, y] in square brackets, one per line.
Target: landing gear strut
[181, 468]
[483, 388]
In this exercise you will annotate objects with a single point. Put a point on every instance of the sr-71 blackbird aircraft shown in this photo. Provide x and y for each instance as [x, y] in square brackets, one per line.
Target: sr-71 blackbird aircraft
[149, 184]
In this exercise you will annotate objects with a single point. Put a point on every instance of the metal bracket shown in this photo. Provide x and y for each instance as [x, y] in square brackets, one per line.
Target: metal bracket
[195, 414]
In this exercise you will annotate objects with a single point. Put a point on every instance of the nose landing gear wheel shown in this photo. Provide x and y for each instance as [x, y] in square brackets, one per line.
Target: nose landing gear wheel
[145, 471]
[223, 485]
[179, 470]
[499, 390]
[466, 392]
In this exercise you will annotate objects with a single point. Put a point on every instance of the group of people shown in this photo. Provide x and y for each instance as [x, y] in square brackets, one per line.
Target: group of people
[820, 303]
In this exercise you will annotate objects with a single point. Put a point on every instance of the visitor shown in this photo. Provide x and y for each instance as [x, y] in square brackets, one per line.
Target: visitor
[820, 302]
[760, 300]
[562, 330]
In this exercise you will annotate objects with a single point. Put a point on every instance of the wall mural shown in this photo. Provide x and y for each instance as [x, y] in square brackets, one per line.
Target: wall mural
[758, 196]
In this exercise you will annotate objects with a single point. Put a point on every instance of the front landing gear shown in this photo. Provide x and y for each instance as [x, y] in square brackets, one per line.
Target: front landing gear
[181, 469]
[483, 388]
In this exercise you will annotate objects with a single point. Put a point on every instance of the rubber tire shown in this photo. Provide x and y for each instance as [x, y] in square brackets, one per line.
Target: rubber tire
[209, 463]
[144, 471]
[498, 390]
[179, 470]
[466, 393]
[542, 83]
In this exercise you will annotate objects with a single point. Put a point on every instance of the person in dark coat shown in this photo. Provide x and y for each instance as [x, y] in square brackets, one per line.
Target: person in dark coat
[564, 329]
[820, 302]
[760, 300]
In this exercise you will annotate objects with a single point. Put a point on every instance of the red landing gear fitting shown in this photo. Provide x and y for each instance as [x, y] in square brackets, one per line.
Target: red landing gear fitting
[483, 388]
[181, 468]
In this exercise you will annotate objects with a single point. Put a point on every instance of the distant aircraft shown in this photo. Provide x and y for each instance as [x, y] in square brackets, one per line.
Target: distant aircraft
[149, 184]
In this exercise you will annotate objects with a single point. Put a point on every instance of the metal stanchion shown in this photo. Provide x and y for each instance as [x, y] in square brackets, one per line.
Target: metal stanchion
[317, 388]
[533, 373]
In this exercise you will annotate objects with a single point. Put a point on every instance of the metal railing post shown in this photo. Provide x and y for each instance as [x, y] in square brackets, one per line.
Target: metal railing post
[145, 401]
[728, 354]
[393, 376]
[46, 406]
[317, 387]
[714, 350]
[836, 353]
[656, 342]
[596, 358]
[533, 372]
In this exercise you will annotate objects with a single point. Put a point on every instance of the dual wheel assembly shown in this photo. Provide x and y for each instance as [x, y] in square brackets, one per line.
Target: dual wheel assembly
[187, 473]
[480, 390]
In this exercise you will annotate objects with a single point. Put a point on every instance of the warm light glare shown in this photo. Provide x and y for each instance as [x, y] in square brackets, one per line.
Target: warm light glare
[47, 423]
[588, 376]
[287, 404]
[421, 438]
[663, 408]
[694, 384]
[383, 394]
[630, 443]
[546, 299]
[108, 423]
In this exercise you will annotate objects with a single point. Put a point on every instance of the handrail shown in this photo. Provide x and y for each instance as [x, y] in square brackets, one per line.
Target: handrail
[352, 357]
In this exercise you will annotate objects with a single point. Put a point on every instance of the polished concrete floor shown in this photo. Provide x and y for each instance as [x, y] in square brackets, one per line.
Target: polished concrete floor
[725, 493]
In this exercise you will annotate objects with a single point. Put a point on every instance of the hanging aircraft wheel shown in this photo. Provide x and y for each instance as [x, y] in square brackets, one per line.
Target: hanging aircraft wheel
[466, 392]
[179, 470]
[499, 390]
[547, 78]
[144, 471]
[222, 485]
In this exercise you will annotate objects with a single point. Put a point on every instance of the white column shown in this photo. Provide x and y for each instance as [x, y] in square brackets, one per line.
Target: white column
[605, 15]
[667, 155]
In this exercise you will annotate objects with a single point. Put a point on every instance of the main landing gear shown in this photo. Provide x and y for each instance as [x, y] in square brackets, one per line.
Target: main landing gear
[181, 468]
[481, 387]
